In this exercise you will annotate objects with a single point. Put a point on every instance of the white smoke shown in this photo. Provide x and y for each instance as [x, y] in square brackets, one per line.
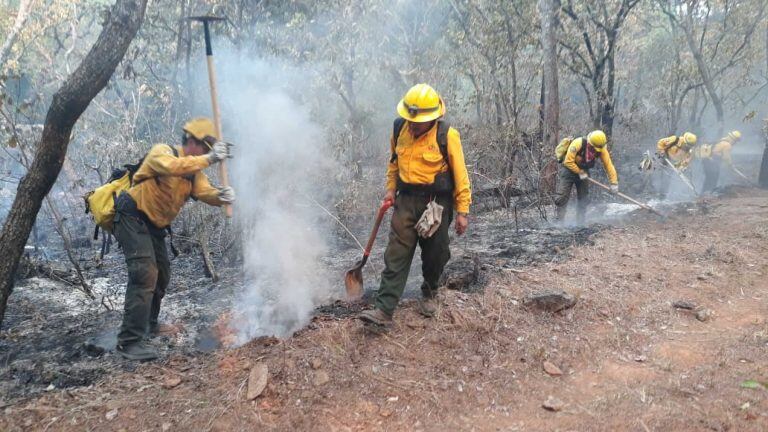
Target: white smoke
[279, 163]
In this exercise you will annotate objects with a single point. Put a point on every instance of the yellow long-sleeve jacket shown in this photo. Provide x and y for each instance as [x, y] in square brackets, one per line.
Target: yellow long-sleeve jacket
[164, 182]
[722, 150]
[574, 160]
[674, 151]
[419, 160]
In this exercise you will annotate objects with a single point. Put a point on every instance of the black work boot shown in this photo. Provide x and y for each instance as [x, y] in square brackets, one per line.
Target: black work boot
[427, 306]
[376, 316]
[139, 351]
[162, 329]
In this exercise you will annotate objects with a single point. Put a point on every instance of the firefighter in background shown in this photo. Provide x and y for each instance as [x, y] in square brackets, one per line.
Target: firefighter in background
[714, 156]
[676, 152]
[577, 157]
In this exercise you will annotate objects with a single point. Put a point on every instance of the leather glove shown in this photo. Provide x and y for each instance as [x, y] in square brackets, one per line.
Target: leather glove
[227, 195]
[614, 188]
[219, 152]
[583, 176]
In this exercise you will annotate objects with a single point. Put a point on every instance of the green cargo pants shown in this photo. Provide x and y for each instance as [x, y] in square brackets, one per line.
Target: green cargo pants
[149, 272]
[566, 180]
[403, 238]
[665, 181]
[711, 173]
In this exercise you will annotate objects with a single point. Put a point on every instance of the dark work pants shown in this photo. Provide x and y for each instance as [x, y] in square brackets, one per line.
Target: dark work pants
[665, 178]
[146, 257]
[711, 173]
[403, 238]
[566, 181]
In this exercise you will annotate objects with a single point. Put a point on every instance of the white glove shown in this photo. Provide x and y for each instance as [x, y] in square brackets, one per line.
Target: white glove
[614, 188]
[227, 195]
[430, 220]
[583, 175]
[219, 152]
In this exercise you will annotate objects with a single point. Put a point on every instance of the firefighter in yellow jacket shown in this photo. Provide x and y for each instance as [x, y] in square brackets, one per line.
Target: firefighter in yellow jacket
[167, 178]
[426, 169]
[676, 151]
[579, 158]
[713, 156]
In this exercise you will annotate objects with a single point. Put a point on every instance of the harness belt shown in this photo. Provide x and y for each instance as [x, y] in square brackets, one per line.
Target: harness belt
[125, 204]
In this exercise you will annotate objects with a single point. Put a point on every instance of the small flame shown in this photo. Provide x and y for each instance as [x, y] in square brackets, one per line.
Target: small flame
[225, 329]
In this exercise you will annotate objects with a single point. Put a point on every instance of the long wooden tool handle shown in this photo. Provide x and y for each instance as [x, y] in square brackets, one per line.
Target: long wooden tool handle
[681, 175]
[223, 177]
[633, 201]
[379, 217]
[217, 121]
[741, 174]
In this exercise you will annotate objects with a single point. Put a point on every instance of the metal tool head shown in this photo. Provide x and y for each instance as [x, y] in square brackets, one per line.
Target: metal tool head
[206, 31]
[206, 18]
[353, 281]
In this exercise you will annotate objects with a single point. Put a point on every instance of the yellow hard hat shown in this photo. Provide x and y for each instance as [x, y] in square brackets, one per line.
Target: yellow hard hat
[421, 104]
[734, 135]
[598, 140]
[689, 139]
[200, 128]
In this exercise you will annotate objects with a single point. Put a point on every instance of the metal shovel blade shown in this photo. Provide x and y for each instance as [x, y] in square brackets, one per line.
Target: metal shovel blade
[353, 281]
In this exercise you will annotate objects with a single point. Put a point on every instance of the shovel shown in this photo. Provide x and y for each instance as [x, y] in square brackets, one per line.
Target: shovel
[633, 201]
[741, 174]
[681, 175]
[353, 280]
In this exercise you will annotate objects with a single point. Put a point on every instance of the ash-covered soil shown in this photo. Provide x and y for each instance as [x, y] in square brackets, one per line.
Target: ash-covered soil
[55, 337]
[624, 357]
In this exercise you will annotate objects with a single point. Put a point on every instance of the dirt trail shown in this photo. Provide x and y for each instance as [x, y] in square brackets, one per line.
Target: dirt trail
[630, 360]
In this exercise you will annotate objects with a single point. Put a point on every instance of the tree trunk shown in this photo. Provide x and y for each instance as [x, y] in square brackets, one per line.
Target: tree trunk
[608, 103]
[763, 176]
[548, 10]
[67, 105]
[542, 102]
[706, 77]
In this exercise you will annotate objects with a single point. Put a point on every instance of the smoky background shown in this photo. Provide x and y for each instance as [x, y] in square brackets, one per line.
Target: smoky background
[308, 91]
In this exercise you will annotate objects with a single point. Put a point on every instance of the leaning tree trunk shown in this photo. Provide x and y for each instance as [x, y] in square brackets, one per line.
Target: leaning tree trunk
[67, 105]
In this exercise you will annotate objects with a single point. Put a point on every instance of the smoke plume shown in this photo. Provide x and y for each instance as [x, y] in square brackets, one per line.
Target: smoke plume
[279, 162]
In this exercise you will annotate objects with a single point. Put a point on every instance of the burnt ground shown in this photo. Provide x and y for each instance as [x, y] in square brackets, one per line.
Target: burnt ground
[629, 359]
[55, 337]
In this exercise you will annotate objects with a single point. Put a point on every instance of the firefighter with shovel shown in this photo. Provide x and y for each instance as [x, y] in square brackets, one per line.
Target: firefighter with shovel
[675, 153]
[577, 156]
[714, 156]
[427, 181]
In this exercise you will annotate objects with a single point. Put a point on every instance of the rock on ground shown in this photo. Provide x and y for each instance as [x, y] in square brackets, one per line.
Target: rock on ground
[550, 301]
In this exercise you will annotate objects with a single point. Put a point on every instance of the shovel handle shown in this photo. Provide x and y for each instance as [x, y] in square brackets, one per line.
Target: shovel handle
[681, 175]
[740, 174]
[632, 200]
[379, 217]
